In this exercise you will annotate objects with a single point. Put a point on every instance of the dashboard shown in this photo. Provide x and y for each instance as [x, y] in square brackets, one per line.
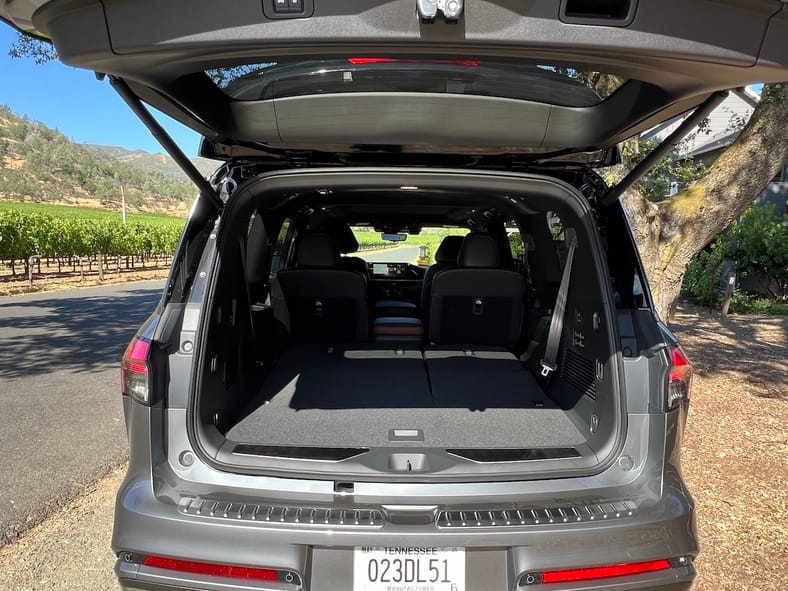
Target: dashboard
[395, 271]
[398, 281]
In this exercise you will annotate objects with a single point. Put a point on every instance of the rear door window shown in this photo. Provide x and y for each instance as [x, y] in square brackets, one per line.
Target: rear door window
[282, 247]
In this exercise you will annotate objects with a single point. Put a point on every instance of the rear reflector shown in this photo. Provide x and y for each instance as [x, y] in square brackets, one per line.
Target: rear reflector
[214, 570]
[680, 379]
[134, 370]
[601, 572]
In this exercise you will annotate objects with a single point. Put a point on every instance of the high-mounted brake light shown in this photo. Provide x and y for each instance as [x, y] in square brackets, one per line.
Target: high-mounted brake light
[222, 570]
[680, 380]
[597, 572]
[363, 61]
[134, 370]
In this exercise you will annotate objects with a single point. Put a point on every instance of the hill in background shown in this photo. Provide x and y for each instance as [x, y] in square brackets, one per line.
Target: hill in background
[41, 165]
[153, 163]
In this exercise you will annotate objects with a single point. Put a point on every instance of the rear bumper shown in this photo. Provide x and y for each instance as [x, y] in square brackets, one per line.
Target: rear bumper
[496, 558]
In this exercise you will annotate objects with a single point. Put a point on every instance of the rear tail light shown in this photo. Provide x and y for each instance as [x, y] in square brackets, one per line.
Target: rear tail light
[593, 573]
[134, 370]
[364, 61]
[680, 379]
[222, 570]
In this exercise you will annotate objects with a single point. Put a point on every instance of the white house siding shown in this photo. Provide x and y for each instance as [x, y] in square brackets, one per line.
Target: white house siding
[723, 124]
[723, 127]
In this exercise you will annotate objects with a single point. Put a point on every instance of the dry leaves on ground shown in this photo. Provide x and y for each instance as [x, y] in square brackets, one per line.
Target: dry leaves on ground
[735, 455]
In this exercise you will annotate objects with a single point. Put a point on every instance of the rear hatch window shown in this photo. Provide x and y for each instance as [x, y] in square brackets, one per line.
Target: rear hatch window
[510, 79]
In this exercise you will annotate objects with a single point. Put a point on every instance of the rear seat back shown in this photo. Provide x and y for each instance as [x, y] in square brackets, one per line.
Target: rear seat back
[479, 302]
[317, 300]
[445, 259]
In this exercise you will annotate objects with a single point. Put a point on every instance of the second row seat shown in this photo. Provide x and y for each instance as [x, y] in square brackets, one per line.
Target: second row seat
[479, 302]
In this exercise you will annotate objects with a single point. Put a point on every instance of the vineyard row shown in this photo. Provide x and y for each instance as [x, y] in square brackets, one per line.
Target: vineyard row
[25, 235]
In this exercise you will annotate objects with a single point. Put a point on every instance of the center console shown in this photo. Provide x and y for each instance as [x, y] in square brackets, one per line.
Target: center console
[395, 281]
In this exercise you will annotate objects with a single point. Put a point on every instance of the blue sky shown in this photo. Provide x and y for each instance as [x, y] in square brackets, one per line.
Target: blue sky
[74, 102]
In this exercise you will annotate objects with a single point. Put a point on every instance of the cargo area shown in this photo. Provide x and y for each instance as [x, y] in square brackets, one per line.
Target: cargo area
[366, 395]
[320, 359]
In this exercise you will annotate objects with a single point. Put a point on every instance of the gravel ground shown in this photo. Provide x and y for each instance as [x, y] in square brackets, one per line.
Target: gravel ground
[70, 551]
[735, 456]
[735, 461]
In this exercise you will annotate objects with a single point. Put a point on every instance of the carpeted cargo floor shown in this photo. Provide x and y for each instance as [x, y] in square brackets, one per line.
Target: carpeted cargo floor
[358, 396]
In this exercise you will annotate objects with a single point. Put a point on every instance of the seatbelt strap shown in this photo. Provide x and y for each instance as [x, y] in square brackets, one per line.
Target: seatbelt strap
[549, 362]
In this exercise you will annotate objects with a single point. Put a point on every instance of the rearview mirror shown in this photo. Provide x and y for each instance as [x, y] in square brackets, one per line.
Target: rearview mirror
[394, 237]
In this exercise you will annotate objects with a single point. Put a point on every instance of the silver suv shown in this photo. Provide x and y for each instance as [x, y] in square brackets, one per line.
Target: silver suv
[305, 415]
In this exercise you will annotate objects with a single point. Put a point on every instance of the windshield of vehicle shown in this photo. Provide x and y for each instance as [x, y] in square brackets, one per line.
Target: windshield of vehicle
[417, 249]
[486, 77]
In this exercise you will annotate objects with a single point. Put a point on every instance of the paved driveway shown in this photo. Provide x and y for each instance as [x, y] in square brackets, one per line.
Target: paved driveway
[61, 423]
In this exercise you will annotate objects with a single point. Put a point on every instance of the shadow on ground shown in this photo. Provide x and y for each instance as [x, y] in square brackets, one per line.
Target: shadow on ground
[65, 332]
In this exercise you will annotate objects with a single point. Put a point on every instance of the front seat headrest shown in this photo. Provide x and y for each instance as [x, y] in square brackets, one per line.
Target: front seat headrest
[479, 250]
[342, 233]
[317, 250]
[449, 249]
[346, 240]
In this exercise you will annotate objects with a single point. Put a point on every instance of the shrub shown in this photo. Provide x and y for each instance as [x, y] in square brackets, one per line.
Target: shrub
[746, 303]
[757, 244]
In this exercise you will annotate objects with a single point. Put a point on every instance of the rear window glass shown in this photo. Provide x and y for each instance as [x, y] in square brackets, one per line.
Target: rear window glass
[421, 246]
[500, 78]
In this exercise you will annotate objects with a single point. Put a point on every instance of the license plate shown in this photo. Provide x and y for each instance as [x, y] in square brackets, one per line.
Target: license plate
[418, 568]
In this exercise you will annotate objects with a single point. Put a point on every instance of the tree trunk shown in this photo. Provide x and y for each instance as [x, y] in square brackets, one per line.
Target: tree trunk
[671, 233]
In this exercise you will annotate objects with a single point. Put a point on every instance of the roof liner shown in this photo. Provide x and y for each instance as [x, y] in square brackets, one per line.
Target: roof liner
[682, 51]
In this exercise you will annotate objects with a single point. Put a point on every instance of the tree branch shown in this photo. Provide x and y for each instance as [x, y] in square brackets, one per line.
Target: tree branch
[740, 174]
[670, 237]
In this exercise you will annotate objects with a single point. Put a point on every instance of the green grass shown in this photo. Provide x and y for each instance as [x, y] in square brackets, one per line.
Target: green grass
[88, 213]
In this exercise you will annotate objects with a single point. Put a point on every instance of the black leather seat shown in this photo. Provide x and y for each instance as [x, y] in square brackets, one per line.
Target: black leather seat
[445, 258]
[317, 300]
[347, 243]
[478, 302]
